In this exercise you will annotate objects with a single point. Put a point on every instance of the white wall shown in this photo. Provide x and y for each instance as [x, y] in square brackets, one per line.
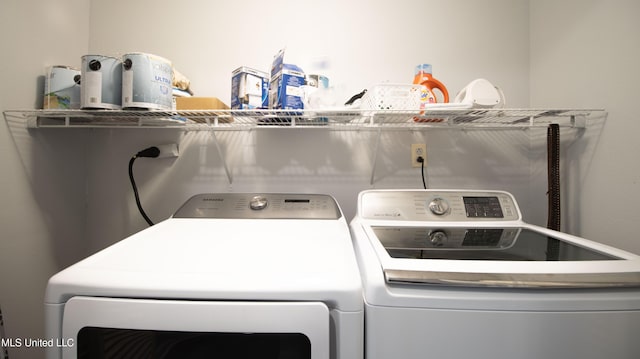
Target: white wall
[41, 221]
[366, 42]
[585, 54]
[66, 192]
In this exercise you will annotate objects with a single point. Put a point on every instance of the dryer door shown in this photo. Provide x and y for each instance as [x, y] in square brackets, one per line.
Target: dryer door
[138, 328]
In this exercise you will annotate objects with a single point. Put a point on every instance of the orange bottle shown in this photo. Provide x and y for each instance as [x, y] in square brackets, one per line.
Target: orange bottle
[423, 76]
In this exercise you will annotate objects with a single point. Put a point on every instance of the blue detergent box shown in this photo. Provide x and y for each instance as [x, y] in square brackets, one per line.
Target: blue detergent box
[249, 88]
[285, 91]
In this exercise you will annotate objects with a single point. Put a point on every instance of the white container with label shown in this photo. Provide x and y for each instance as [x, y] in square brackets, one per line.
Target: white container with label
[146, 82]
[62, 88]
[249, 88]
[101, 86]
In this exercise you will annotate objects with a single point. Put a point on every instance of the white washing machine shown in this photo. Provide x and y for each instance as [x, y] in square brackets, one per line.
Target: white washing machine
[229, 275]
[458, 274]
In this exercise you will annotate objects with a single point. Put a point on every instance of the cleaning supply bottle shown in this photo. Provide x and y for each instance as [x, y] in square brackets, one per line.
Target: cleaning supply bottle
[423, 76]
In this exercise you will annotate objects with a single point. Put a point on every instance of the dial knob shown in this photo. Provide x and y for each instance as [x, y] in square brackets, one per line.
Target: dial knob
[437, 238]
[258, 203]
[439, 206]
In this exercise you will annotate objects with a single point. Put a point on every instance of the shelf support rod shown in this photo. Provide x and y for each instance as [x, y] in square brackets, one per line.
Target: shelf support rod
[375, 156]
[222, 157]
[32, 121]
[579, 121]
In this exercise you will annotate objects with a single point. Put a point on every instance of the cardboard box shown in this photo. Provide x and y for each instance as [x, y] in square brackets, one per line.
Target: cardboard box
[249, 88]
[200, 103]
[285, 91]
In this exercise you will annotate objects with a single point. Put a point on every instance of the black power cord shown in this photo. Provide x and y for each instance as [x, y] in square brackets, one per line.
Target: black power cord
[553, 183]
[151, 152]
[553, 177]
[421, 160]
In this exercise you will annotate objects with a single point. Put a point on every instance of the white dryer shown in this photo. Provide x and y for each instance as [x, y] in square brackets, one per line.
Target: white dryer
[458, 274]
[229, 275]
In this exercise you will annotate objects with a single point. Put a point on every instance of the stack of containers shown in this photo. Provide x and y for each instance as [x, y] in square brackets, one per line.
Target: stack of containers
[137, 81]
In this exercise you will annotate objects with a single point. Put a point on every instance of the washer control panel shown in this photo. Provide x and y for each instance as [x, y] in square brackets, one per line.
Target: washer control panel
[438, 205]
[257, 205]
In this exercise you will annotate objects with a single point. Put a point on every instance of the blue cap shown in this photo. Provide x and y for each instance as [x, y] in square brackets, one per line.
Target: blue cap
[426, 68]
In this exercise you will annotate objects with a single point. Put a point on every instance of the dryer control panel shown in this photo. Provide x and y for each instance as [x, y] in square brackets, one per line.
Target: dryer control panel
[260, 206]
[438, 205]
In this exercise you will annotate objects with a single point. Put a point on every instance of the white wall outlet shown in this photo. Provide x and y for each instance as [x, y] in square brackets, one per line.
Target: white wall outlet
[418, 150]
[168, 150]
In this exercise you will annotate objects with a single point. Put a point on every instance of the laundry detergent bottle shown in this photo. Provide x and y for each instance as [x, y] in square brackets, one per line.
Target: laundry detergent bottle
[423, 76]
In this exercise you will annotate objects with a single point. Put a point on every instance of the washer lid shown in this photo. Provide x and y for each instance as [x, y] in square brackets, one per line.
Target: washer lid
[481, 244]
[478, 238]
[520, 256]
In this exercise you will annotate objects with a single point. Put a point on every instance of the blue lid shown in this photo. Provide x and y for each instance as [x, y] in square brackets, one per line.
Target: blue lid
[426, 68]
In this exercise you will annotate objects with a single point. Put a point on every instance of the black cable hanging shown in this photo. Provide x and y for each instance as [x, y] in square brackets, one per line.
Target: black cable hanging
[150, 152]
[424, 183]
[553, 176]
[553, 193]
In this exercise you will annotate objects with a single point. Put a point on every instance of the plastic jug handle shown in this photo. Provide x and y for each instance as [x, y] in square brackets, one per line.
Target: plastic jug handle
[440, 86]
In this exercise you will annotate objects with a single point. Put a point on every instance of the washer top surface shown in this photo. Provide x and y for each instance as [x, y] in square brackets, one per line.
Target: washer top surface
[298, 252]
[477, 239]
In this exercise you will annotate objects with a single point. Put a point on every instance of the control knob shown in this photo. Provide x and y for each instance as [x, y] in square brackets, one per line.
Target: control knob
[258, 203]
[438, 238]
[439, 206]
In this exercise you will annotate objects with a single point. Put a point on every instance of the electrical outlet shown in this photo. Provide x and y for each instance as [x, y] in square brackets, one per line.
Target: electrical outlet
[418, 150]
[168, 150]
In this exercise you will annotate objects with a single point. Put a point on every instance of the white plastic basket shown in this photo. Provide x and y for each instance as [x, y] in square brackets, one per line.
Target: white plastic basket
[400, 97]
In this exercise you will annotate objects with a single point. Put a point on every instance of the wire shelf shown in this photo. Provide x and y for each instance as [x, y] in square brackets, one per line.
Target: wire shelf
[340, 119]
